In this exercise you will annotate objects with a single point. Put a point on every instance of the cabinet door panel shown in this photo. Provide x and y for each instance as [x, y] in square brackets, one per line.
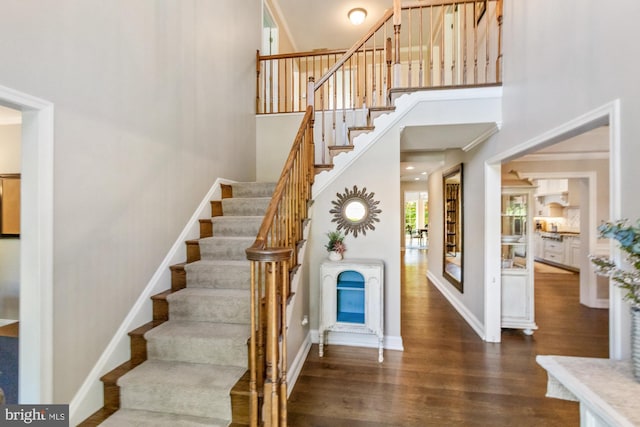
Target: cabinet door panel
[515, 297]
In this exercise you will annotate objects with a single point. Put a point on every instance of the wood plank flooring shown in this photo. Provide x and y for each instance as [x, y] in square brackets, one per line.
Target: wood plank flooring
[447, 376]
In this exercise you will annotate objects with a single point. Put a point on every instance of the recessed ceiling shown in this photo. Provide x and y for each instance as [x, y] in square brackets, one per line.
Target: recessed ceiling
[593, 144]
[423, 147]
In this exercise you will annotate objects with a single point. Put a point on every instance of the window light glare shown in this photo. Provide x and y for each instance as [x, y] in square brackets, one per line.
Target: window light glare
[409, 168]
[357, 15]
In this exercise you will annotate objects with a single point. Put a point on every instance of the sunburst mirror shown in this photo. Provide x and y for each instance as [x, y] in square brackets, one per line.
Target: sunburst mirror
[355, 211]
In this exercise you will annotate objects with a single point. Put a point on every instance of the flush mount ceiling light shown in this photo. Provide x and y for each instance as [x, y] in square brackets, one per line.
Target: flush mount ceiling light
[357, 15]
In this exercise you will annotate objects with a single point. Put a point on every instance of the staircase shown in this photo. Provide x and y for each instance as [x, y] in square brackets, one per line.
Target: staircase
[188, 366]
[352, 133]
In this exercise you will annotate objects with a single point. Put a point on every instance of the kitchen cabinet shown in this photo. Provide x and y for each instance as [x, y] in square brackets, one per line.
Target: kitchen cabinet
[559, 249]
[571, 251]
[552, 186]
[554, 250]
[538, 246]
[517, 304]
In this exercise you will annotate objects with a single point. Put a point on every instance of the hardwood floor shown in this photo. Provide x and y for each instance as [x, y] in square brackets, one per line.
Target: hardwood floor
[447, 376]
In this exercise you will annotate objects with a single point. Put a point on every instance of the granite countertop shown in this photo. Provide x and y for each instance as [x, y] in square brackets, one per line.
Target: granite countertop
[606, 386]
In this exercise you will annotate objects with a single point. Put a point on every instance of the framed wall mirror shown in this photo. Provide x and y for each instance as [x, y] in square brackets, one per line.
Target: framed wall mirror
[355, 211]
[453, 248]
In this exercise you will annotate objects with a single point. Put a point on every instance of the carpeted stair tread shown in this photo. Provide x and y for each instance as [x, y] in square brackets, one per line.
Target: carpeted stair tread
[253, 206]
[225, 248]
[138, 418]
[199, 342]
[196, 389]
[236, 226]
[208, 273]
[253, 189]
[211, 305]
[195, 358]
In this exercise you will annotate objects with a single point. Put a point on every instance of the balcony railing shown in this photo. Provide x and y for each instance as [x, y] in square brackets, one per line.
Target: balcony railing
[417, 46]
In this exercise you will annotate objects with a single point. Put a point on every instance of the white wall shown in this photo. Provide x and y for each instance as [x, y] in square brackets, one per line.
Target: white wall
[382, 243]
[274, 137]
[153, 100]
[10, 248]
[10, 148]
[561, 61]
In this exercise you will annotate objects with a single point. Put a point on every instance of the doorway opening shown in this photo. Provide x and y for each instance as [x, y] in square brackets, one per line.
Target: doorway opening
[10, 159]
[606, 118]
[416, 219]
[36, 246]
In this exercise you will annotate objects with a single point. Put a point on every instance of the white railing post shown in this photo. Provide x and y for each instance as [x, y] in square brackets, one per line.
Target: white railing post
[311, 92]
[397, 22]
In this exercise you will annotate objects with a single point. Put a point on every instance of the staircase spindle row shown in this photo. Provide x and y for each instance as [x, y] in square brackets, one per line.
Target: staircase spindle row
[450, 43]
[273, 257]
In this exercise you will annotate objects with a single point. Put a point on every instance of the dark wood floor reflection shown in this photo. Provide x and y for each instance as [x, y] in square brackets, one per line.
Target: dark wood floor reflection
[447, 376]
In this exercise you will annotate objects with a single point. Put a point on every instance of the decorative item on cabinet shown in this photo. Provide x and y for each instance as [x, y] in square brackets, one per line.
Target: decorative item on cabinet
[335, 246]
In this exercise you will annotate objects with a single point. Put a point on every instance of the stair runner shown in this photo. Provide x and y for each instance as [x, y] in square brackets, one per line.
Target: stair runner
[195, 358]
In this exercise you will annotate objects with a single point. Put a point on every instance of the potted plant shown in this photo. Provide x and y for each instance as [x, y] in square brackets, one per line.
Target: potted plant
[626, 277]
[335, 246]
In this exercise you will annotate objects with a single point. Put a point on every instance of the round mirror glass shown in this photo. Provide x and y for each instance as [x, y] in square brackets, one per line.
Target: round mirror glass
[355, 210]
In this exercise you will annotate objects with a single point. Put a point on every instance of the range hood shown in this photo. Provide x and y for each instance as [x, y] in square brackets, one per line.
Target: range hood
[561, 199]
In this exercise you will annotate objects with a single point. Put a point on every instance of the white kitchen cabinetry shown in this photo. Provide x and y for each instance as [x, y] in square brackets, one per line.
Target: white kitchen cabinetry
[559, 249]
[517, 259]
[538, 246]
[552, 186]
[554, 251]
[571, 251]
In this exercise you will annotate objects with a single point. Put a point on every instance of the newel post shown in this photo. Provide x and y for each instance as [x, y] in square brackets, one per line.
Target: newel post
[397, 21]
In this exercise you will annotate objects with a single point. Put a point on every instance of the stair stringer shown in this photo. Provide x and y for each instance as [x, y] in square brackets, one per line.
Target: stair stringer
[89, 396]
[423, 108]
[293, 311]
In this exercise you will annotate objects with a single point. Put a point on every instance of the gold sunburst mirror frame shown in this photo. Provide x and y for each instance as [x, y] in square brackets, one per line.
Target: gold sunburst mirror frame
[355, 211]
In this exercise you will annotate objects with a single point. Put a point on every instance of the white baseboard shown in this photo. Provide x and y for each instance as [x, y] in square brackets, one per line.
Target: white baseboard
[467, 315]
[358, 340]
[601, 303]
[89, 398]
[298, 363]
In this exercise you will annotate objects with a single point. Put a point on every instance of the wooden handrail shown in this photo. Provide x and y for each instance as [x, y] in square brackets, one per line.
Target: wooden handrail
[387, 14]
[272, 255]
[291, 55]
